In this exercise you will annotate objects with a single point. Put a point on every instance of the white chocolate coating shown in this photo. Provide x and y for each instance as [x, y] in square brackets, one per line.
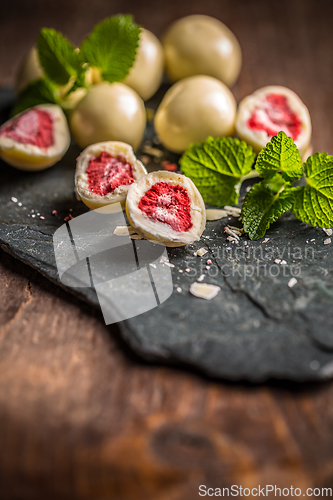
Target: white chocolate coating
[109, 112]
[29, 70]
[30, 157]
[146, 75]
[202, 45]
[193, 109]
[159, 231]
[93, 200]
[259, 138]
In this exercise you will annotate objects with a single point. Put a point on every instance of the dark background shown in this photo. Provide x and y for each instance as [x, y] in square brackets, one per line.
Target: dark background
[81, 417]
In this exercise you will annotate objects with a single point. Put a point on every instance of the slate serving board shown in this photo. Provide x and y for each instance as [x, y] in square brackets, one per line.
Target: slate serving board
[256, 328]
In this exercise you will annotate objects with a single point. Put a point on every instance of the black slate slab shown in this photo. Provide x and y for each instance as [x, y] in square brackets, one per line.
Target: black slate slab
[255, 329]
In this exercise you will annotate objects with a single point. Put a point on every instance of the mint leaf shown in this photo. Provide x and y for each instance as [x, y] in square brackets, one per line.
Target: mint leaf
[280, 154]
[38, 92]
[112, 47]
[58, 57]
[274, 183]
[262, 207]
[314, 202]
[217, 167]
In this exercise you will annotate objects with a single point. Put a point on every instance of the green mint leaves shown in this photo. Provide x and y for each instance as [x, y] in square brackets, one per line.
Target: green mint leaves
[280, 154]
[262, 207]
[38, 92]
[218, 167]
[111, 47]
[58, 57]
[314, 202]
[268, 200]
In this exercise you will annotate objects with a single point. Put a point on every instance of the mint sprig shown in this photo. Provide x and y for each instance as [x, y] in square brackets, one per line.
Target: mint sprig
[38, 92]
[111, 47]
[218, 167]
[314, 202]
[58, 58]
[280, 155]
[262, 207]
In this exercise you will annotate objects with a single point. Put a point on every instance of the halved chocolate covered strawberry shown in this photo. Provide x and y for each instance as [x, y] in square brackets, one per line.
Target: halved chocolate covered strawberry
[166, 207]
[270, 109]
[35, 139]
[105, 172]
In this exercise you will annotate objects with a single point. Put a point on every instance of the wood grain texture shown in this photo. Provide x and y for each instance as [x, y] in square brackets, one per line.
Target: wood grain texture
[81, 417]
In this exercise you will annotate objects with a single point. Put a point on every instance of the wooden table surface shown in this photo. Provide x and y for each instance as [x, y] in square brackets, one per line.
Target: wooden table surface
[81, 416]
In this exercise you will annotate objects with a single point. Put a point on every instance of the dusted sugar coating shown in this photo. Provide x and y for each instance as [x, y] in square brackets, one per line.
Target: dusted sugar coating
[34, 127]
[168, 204]
[106, 173]
[274, 115]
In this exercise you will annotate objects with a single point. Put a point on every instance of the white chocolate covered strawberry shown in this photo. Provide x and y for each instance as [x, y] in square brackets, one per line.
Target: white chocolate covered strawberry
[264, 113]
[105, 172]
[166, 207]
[35, 139]
[109, 112]
[193, 109]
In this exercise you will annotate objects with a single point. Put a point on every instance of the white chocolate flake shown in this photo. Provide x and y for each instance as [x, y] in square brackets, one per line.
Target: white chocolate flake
[204, 290]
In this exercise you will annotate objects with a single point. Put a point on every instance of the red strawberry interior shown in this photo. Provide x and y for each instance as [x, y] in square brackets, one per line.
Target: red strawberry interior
[169, 204]
[106, 173]
[274, 114]
[34, 127]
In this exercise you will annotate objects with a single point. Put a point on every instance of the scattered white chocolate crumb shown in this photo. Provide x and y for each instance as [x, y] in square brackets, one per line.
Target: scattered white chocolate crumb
[201, 252]
[231, 233]
[179, 290]
[169, 264]
[328, 241]
[215, 214]
[180, 271]
[292, 282]
[313, 239]
[20, 204]
[152, 151]
[277, 261]
[33, 215]
[283, 262]
[201, 278]
[152, 265]
[207, 267]
[329, 232]
[233, 211]
[265, 240]
[14, 200]
[237, 230]
[124, 230]
[204, 290]
[187, 270]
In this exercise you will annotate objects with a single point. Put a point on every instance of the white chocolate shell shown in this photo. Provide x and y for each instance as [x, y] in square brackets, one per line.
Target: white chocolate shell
[29, 70]
[193, 109]
[115, 149]
[109, 112]
[160, 231]
[146, 75]
[202, 45]
[26, 156]
[256, 101]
